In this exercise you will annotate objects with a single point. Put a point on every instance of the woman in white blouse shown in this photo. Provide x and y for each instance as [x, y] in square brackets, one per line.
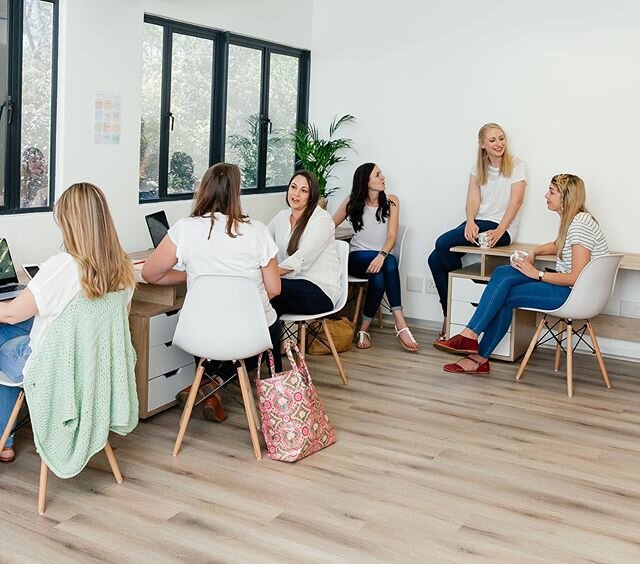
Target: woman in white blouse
[308, 261]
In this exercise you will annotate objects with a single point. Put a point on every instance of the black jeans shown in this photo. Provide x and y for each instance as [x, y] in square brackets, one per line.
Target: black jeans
[442, 260]
[301, 297]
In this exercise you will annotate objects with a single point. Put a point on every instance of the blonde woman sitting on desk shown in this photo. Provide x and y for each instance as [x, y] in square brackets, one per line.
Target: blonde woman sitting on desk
[522, 285]
[92, 264]
[219, 239]
[374, 217]
[307, 257]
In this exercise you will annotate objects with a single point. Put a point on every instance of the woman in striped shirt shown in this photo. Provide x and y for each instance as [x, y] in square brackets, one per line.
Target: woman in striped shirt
[522, 285]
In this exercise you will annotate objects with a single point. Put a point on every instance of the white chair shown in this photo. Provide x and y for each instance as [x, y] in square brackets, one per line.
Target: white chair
[588, 297]
[222, 319]
[396, 252]
[303, 320]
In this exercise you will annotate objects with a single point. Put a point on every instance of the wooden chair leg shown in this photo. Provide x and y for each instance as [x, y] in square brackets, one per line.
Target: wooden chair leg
[569, 359]
[532, 346]
[111, 457]
[334, 352]
[356, 313]
[380, 321]
[250, 408]
[42, 492]
[12, 419]
[594, 342]
[556, 363]
[188, 407]
[303, 337]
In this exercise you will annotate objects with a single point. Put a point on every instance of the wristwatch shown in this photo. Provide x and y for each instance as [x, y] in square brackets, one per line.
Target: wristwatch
[384, 253]
[540, 275]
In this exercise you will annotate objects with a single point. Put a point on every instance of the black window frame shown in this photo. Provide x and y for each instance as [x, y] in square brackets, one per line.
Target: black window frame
[15, 16]
[217, 137]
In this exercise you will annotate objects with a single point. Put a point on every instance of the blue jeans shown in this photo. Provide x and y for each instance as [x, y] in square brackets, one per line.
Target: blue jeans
[387, 280]
[14, 352]
[509, 289]
[442, 260]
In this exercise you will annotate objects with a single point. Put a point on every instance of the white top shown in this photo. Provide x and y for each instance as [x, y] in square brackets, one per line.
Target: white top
[56, 284]
[243, 255]
[316, 259]
[583, 231]
[373, 234]
[496, 193]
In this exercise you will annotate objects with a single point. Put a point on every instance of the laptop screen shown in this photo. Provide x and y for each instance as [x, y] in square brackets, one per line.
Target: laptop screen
[7, 271]
[158, 226]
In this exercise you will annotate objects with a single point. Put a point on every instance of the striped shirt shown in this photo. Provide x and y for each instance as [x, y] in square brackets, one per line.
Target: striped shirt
[583, 231]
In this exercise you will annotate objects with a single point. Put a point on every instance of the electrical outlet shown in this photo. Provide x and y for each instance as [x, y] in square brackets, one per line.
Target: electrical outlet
[430, 286]
[415, 283]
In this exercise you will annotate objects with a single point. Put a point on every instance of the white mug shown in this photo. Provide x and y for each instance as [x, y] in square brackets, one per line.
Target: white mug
[518, 255]
[483, 240]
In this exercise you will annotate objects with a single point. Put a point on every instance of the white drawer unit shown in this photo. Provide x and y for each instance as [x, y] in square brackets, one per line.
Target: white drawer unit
[164, 358]
[466, 287]
[162, 389]
[162, 327]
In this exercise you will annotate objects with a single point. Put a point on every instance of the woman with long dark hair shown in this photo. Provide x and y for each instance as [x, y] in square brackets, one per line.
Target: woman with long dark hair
[308, 261]
[375, 217]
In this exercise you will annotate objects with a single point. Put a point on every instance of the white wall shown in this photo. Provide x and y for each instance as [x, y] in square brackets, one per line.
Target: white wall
[422, 77]
[101, 49]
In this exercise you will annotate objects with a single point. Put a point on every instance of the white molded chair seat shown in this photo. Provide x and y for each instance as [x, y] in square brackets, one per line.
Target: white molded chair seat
[588, 297]
[303, 319]
[222, 319]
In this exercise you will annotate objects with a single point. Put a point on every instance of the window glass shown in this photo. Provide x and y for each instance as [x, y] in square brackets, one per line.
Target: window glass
[283, 111]
[243, 111]
[37, 75]
[4, 73]
[150, 119]
[190, 124]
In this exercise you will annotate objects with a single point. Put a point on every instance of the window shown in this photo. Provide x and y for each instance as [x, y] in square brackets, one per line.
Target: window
[209, 96]
[28, 53]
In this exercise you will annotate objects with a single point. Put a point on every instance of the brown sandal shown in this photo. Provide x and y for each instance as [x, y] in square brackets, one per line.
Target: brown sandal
[7, 455]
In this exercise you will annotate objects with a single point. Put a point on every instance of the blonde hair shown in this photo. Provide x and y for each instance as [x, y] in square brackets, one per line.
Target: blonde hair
[573, 197]
[219, 191]
[90, 237]
[482, 166]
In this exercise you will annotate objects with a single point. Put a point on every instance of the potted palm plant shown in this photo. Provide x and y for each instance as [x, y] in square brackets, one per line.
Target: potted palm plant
[321, 155]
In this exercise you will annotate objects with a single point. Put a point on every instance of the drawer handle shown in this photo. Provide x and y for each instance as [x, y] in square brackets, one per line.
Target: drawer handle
[474, 304]
[168, 344]
[170, 313]
[483, 282]
[171, 373]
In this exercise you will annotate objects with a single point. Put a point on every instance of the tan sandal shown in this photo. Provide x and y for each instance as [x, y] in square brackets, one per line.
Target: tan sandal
[364, 340]
[7, 455]
[410, 335]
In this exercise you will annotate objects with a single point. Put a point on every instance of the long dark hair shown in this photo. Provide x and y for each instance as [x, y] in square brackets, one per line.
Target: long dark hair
[219, 191]
[312, 204]
[359, 191]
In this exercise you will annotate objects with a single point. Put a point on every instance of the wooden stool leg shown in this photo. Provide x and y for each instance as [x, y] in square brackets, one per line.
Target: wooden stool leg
[42, 492]
[188, 407]
[569, 359]
[249, 407]
[356, 314]
[380, 322]
[111, 457]
[556, 363]
[12, 419]
[594, 342]
[334, 352]
[302, 330]
[532, 346]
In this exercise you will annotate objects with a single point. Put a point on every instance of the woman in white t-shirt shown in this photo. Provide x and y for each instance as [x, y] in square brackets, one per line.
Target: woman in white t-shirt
[375, 217]
[308, 260]
[93, 264]
[579, 240]
[219, 239]
[496, 191]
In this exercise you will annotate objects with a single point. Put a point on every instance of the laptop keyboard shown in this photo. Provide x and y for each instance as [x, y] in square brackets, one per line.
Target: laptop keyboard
[12, 288]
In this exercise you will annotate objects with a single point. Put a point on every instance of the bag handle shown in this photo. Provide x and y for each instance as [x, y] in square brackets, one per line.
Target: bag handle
[302, 367]
[272, 364]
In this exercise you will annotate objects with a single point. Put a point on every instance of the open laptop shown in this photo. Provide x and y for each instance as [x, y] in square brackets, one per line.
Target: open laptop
[9, 287]
[158, 226]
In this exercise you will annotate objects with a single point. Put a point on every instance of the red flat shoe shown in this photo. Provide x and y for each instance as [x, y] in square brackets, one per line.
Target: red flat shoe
[480, 368]
[458, 344]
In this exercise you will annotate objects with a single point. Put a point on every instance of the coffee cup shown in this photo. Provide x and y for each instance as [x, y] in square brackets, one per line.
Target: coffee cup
[518, 256]
[483, 240]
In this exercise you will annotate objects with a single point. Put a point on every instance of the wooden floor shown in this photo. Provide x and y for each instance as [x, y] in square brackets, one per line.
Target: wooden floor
[428, 467]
